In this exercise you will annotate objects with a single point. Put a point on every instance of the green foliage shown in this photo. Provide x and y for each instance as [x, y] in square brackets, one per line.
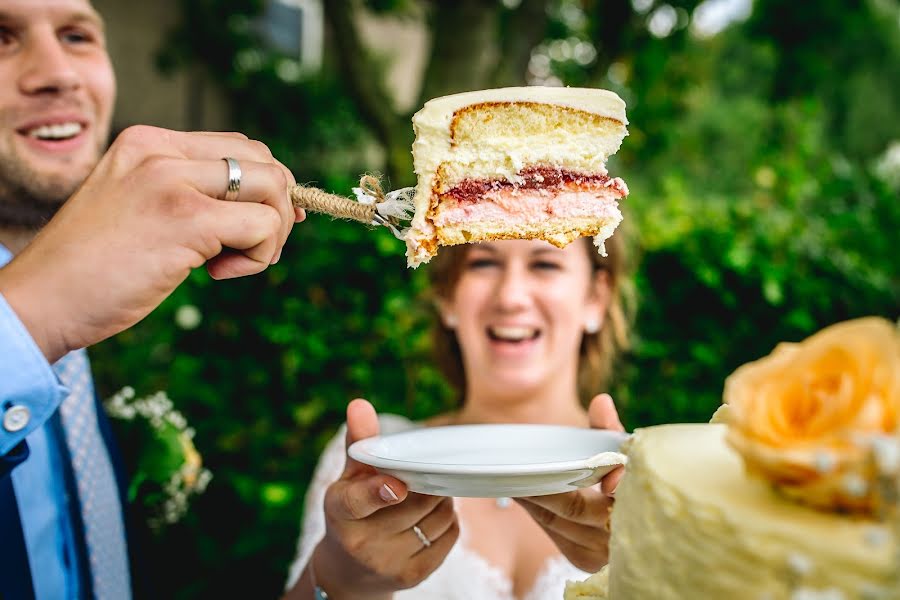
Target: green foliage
[757, 212]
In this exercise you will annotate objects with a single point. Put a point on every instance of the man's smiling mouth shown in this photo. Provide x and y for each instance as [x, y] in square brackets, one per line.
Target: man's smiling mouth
[56, 132]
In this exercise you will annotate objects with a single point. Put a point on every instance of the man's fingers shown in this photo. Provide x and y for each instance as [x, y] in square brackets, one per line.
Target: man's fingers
[230, 264]
[602, 414]
[261, 182]
[211, 145]
[226, 134]
[251, 228]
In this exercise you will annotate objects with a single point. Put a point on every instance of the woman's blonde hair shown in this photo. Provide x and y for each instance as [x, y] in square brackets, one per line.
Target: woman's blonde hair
[599, 351]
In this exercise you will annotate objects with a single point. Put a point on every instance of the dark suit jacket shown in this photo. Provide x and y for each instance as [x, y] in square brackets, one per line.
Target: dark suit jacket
[15, 570]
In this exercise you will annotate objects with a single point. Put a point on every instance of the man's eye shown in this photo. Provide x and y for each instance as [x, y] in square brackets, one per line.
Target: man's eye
[75, 36]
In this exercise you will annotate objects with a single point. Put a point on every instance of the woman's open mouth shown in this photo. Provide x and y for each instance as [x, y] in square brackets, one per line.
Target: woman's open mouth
[512, 334]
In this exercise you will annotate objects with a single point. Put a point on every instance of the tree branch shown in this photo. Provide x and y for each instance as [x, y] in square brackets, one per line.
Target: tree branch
[366, 83]
[464, 49]
[523, 30]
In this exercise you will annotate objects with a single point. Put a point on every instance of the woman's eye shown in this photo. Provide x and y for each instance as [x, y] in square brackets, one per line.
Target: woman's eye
[6, 36]
[481, 263]
[544, 265]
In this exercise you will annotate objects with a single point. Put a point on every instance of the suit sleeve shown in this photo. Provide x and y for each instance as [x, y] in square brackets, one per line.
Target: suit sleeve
[29, 390]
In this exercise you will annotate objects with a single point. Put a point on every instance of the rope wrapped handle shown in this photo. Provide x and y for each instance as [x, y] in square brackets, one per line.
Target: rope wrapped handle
[372, 207]
[316, 200]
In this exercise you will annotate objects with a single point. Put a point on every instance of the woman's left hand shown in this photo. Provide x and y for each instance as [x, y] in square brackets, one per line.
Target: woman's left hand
[578, 522]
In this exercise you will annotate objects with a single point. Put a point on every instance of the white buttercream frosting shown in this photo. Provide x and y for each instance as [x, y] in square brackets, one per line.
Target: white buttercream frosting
[689, 523]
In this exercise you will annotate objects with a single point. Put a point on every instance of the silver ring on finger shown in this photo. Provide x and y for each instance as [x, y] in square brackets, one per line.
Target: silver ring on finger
[422, 537]
[234, 179]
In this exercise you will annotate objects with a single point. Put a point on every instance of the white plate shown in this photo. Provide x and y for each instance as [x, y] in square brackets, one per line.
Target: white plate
[493, 461]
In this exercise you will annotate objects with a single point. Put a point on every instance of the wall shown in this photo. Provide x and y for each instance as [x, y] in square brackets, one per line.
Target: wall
[135, 33]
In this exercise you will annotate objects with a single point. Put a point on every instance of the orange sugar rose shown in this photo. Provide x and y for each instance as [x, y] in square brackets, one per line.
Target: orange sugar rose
[806, 416]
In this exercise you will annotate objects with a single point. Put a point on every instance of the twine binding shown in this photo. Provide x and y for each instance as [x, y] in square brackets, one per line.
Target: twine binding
[371, 207]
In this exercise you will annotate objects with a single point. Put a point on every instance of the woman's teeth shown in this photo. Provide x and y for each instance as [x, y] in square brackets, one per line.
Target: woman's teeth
[512, 334]
[59, 131]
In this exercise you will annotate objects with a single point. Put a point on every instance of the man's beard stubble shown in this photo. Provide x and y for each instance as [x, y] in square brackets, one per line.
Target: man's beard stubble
[28, 199]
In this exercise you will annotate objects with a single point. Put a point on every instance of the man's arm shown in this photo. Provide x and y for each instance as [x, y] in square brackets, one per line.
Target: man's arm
[29, 390]
[151, 211]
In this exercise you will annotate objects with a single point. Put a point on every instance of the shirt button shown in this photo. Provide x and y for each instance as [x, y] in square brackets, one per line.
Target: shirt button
[16, 418]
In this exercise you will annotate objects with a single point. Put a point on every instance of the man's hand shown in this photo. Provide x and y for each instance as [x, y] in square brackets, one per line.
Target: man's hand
[149, 213]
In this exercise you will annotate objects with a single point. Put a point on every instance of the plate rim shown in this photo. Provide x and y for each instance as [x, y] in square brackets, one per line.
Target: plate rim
[358, 452]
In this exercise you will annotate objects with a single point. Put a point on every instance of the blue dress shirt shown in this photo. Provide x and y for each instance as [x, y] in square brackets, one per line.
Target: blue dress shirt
[30, 445]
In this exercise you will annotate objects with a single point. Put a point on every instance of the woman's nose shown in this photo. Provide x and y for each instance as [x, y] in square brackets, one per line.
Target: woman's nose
[513, 288]
[48, 67]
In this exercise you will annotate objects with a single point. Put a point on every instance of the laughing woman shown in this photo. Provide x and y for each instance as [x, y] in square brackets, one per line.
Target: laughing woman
[526, 333]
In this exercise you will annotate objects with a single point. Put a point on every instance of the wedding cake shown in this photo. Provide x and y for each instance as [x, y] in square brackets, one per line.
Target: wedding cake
[790, 494]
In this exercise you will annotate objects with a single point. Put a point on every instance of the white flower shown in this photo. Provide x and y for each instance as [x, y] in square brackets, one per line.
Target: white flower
[188, 317]
[887, 167]
[187, 481]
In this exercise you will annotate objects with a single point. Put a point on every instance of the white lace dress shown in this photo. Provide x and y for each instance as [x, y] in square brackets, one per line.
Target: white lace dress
[464, 575]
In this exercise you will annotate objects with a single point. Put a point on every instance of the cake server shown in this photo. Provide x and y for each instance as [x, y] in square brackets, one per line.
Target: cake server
[372, 206]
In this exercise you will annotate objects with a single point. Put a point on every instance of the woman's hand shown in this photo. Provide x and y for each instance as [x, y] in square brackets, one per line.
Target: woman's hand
[370, 548]
[578, 522]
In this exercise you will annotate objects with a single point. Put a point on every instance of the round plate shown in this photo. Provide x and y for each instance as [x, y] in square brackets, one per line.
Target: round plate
[493, 461]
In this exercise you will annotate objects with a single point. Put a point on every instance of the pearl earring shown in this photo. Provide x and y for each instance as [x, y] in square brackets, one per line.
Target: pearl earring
[592, 325]
[450, 321]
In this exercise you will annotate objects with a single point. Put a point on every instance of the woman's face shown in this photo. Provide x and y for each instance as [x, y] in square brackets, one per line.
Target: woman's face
[519, 311]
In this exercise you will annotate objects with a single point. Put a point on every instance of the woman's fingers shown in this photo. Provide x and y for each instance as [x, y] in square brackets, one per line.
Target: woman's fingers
[587, 506]
[432, 526]
[424, 562]
[592, 536]
[602, 413]
[362, 497]
[399, 517]
[362, 423]
[610, 482]
[585, 541]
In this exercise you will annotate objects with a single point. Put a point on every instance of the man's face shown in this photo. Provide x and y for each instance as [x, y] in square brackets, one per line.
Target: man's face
[57, 92]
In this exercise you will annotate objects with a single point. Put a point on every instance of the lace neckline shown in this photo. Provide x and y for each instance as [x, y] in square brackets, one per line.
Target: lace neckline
[549, 582]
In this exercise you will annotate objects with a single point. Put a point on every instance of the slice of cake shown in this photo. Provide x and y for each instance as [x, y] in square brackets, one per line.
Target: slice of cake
[515, 163]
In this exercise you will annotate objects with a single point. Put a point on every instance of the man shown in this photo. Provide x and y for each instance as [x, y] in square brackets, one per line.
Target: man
[98, 240]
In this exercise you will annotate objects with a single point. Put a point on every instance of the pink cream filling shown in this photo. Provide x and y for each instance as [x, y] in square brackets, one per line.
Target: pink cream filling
[532, 205]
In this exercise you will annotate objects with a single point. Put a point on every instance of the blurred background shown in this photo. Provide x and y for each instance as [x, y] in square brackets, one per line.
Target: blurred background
[763, 159]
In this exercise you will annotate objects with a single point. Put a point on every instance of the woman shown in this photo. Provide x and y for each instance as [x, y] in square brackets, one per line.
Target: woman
[527, 332]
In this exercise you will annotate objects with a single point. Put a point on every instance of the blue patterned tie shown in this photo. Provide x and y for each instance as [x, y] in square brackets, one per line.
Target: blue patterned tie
[98, 495]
